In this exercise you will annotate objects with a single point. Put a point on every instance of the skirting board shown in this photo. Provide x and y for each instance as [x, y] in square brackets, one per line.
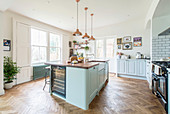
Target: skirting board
[2, 92]
[134, 77]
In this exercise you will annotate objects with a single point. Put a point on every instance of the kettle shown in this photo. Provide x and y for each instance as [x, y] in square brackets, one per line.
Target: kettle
[138, 55]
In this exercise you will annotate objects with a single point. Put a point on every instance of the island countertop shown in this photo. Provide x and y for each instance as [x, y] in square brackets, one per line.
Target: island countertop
[99, 60]
[79, 65]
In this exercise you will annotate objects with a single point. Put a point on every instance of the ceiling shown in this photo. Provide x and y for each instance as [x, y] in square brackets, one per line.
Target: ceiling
[163, 8]
[4, 4]
[62, 13]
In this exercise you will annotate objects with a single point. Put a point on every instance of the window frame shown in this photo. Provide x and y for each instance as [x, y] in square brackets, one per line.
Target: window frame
[60, 47]
[48, 45]
[101, 48]
[104, 48]
[112, 46]
[39, 62]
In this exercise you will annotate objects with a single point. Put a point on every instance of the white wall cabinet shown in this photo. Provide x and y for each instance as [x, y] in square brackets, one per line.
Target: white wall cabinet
[131, 67]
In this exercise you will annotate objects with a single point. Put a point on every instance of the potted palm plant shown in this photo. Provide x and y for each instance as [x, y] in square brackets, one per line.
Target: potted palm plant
[10, 71]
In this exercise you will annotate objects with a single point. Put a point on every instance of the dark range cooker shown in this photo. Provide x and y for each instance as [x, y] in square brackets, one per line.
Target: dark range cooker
[160, 81]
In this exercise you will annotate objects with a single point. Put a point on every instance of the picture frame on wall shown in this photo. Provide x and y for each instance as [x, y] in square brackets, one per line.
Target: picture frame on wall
[119, 46]
[127, 46]
[137, 41]
[119, 41]
[6, 45]
[127, 39]
[70, 44]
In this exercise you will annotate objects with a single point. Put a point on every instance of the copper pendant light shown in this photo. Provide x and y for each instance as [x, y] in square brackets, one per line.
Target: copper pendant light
[86, 36]
[92, 38]
[77, 33]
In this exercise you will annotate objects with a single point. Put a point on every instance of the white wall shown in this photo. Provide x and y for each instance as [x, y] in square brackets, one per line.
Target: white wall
[160, 24]
[1, 56]
[134, 28]
[8, 29]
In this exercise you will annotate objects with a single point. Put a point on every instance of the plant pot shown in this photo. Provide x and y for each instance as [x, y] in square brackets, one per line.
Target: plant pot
[8, 85]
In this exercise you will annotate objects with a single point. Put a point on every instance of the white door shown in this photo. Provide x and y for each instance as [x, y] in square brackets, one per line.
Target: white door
[141, 68]
[23, 49]
[131, 66]
[121, 66]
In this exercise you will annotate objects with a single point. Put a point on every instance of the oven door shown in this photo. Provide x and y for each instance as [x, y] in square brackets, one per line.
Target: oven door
[155, 80]
[162, 87]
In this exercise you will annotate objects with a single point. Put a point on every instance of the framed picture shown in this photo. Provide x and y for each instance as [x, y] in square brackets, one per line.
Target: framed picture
[127, 39]
[127, 46]
[6, 45]
[119, 46]
[137, 41]
[71, 52]
[119, 41]
[70, 44]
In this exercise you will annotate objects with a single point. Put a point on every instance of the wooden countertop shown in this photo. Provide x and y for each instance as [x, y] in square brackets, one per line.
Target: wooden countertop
[99, 60]
[79, 65]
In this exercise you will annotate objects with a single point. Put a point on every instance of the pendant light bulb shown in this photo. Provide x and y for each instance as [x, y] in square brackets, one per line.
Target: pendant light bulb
[77, 33]
[92, 38]
[86, 36]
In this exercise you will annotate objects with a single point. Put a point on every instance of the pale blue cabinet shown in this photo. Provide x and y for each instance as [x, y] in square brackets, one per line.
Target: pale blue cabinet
[106, 71]
[141, 68]
[82, 85]
[93, 83]
[101, 78]
[121, 66]
[131, 67]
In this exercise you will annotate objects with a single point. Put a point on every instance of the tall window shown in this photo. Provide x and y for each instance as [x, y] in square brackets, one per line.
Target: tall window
[38, 46]
[109, 48]
[55, 47]
[99, 49]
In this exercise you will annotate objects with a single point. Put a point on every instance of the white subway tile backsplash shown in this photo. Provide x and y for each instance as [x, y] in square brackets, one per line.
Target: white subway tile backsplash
[166, 39]
[161, 37]
[161, 47]
[167, 36]
[165, 45]
[161, 42]
[167, 42]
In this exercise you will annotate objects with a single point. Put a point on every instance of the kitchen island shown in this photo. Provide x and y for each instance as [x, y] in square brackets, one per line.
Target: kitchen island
[78, 84]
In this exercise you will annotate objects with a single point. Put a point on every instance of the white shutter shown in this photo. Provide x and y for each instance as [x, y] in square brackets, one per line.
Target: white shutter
[23, 52]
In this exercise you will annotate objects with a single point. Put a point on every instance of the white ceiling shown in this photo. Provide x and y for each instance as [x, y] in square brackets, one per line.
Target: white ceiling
[62, 13]
[5, 4]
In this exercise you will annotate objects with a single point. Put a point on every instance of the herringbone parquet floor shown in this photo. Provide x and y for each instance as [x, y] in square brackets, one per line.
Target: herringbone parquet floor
[120, 96]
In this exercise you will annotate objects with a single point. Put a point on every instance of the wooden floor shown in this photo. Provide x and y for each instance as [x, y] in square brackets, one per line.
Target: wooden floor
[120, 96]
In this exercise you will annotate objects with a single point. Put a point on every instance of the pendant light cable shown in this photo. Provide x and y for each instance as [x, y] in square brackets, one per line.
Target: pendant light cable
[91, 24]
[85, 20]
[77, 15]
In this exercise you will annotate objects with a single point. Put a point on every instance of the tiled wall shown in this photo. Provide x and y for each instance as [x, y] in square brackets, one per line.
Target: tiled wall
[160, 47]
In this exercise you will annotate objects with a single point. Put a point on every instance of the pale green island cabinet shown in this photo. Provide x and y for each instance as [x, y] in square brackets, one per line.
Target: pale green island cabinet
[83, 81]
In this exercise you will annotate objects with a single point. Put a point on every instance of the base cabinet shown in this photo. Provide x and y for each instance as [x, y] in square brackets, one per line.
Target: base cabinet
[132, 67]
[121, 66]
[93, 82]
[101, 78]
[82, 85]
